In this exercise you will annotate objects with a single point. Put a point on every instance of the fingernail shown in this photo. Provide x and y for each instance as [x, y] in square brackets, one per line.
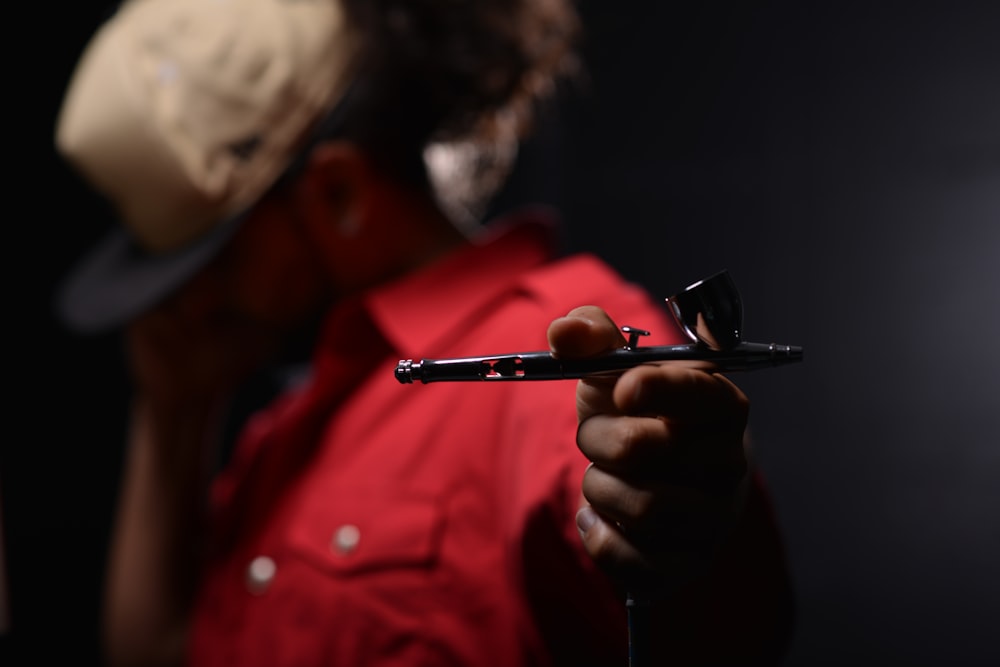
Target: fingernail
[585, 518]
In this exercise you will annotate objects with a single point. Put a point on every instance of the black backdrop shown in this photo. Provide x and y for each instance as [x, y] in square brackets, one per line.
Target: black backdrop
[842, 160]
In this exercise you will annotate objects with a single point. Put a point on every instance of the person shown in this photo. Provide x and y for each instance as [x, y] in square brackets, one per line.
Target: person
[294, 182]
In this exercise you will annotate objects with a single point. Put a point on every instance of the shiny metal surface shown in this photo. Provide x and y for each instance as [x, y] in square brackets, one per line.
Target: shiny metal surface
[710, 311]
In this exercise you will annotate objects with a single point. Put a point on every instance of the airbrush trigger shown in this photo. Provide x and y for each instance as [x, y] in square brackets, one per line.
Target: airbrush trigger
[633, 336]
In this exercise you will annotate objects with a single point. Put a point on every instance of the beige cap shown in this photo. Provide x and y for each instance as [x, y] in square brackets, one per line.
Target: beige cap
[183, 112]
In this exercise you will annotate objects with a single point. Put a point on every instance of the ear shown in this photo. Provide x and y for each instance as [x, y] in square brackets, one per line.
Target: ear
[334, 190]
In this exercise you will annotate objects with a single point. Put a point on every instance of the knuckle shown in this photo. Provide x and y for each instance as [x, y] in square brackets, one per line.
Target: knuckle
[637, 503]
[600, 545]
[625, 441]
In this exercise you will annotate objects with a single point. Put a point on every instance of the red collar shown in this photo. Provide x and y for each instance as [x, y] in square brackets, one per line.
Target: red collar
[423, 311]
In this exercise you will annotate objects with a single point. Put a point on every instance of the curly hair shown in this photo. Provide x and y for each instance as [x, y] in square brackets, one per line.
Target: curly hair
[460, 72]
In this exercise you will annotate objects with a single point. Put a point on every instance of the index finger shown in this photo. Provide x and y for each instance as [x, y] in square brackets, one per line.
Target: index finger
[585, 331]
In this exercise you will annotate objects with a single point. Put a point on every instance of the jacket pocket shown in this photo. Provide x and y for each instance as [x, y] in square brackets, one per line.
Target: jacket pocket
[369, 533]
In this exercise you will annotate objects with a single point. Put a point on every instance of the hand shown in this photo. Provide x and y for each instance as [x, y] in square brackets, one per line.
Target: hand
[666, 446]
[191, 351]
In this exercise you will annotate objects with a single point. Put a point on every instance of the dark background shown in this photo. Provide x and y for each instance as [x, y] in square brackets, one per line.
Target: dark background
[842, 160]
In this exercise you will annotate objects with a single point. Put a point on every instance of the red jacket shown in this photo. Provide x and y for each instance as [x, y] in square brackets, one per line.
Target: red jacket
[365, 522]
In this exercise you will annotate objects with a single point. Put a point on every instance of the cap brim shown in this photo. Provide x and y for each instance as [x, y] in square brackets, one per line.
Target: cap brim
[118, 280]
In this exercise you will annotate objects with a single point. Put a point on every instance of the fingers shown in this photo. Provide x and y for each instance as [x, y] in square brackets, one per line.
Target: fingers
[653, 571]
[604, 542]
[189, 347]
[661, 416]
[665, 443]
[654, 514]
[681, 393]
[666, 449]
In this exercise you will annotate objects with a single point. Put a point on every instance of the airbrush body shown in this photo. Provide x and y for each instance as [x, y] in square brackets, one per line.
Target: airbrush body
[544, 366]
[709, 312]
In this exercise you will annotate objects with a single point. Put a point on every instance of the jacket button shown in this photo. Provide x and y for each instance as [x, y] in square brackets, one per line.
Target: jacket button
[345, 539]
[260, 572]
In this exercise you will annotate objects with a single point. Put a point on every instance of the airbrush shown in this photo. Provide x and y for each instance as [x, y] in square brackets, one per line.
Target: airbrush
[710, 312]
